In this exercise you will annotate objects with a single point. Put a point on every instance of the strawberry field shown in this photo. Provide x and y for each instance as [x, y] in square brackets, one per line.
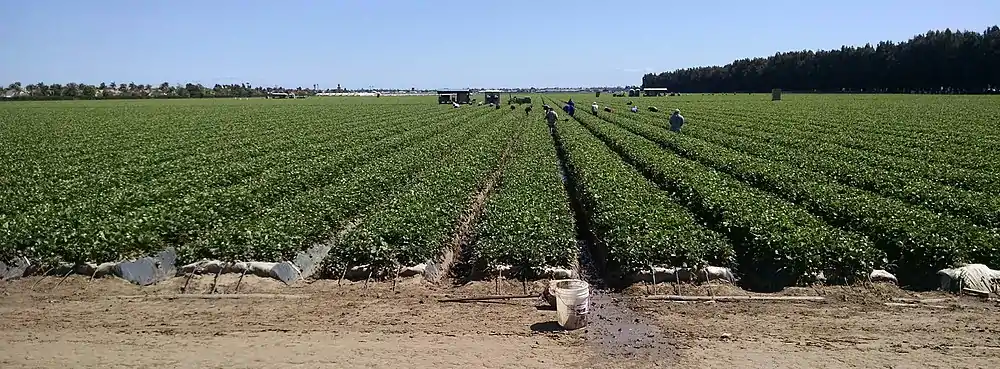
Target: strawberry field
[813, 185]
[787, 192]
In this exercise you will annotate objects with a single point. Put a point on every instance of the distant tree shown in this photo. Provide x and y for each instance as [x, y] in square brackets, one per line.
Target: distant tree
[88, 91]
[42, 89]
[937, 61]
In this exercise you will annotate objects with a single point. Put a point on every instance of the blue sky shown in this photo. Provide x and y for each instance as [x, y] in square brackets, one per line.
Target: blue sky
[432, 44]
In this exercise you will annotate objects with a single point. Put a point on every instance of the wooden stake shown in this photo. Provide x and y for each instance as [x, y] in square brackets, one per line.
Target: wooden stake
[240, 281]
[186, 282]
[343, 274]
[43, 277]
[64, 278]
[370, 272]
[399, 268]
[652, 276]
[501, 282]
[216, 281]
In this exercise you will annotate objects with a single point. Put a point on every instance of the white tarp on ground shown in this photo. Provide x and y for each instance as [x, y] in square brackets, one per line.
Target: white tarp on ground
[879, 275]
[977, 277]
[283, 271]
[674, 274]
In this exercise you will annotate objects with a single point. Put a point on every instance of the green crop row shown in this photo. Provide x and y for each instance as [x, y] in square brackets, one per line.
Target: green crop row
[315, 215]
[970, 164]
[635, 224]
[776, 242]
[217, 165]
[896, 181]
[957, 140]
[176, 206]
[918, 242]
[415, 225]
[527, 222]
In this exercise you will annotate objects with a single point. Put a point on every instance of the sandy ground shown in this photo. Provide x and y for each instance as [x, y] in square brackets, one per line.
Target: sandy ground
[109, 323]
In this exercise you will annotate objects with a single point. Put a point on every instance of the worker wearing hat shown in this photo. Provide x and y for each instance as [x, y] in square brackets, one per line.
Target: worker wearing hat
[551, 116]
[676, 121]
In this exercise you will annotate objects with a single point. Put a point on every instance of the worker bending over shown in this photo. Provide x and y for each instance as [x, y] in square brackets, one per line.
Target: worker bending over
[635, 109]
[551, 116]
[676, 121]
[594, 107]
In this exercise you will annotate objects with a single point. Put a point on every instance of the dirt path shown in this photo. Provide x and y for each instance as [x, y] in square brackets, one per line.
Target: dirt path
[81, 324]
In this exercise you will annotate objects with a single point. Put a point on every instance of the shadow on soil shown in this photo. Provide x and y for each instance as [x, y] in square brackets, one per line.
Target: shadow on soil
[547, 327]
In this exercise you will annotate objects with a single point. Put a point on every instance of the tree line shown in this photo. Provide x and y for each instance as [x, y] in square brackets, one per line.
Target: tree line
[936, 62]
[81, 91]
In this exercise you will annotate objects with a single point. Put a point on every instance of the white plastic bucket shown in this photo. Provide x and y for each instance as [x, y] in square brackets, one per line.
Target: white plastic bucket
[572, 303]
[550, 292]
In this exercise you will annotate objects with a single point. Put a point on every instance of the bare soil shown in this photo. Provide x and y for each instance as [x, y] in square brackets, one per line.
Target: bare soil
[110, 323]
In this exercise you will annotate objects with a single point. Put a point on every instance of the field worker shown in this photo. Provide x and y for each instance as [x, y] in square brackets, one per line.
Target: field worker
[570, 109]
[676, 121]
[594, 107]
[455, 104]
[635, 109]
[551, 116]
[527, 110]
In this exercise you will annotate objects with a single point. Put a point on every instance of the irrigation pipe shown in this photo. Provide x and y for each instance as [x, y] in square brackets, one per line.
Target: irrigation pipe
[923, 301]
[900, 304]
[487, 298]
[733, 298]
[216, 296]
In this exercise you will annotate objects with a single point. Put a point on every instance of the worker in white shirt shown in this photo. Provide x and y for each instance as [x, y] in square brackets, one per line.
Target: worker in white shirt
[594, 107]
[676, 121]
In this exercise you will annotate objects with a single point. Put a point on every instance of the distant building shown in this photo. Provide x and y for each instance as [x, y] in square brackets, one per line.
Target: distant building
[491, 96]
[449, 96]
[12, 93]
[656, 91]
[280, 95]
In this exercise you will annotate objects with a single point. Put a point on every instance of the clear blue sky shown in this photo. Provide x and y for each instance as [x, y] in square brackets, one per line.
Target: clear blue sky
[436, 43]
